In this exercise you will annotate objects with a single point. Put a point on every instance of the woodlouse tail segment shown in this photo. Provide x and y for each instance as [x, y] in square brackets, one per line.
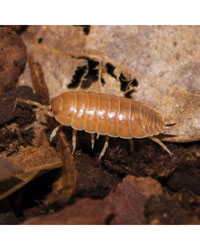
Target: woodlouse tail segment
[160, 143]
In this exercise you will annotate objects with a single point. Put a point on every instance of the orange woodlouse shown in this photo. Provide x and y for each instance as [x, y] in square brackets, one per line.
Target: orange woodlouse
[105, 115]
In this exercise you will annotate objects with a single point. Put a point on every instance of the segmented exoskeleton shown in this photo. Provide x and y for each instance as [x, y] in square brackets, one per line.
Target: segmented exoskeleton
[107, 115]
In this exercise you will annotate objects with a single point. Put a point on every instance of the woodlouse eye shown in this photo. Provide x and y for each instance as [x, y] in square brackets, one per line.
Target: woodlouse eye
[52, 111]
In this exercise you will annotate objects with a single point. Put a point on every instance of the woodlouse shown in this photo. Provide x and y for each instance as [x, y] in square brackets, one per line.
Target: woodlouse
[105, 115]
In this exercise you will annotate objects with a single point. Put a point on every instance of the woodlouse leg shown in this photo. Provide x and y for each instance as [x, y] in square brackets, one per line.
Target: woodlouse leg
[131, 145]
[97, 136]
[160, 143]
[92, 140]
[74, 132]
[54, 132]
[104, 147]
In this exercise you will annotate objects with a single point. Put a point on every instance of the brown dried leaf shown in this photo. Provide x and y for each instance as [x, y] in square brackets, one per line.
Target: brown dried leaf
[32, 160]
[40, 137]
[65, 185]
[8, 169]
[37, 159]
[163, 60]
[129, 197]
[83, 212]
[10, 186]
[54, 54]
[38, 81]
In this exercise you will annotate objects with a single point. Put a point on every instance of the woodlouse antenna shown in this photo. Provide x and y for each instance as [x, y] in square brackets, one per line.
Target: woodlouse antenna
[46, 109]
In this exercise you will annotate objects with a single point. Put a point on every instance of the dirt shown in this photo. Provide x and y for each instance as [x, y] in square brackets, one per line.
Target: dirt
[146, 186]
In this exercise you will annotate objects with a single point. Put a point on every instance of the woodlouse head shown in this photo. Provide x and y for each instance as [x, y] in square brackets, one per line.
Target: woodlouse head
[56, 105]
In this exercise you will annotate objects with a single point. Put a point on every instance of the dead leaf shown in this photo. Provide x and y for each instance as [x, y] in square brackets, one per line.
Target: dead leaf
[54, 55]
[38, 82]
[83, 212]
[162, 59]
[8, 169]
[37, 159]
[32, 160]
[65, 185]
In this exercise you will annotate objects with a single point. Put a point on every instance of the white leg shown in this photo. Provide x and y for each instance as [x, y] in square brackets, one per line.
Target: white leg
[74, 132]
[160, 143]
[54, 132]
[97, 136]
[104, 147]
[92, 140]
